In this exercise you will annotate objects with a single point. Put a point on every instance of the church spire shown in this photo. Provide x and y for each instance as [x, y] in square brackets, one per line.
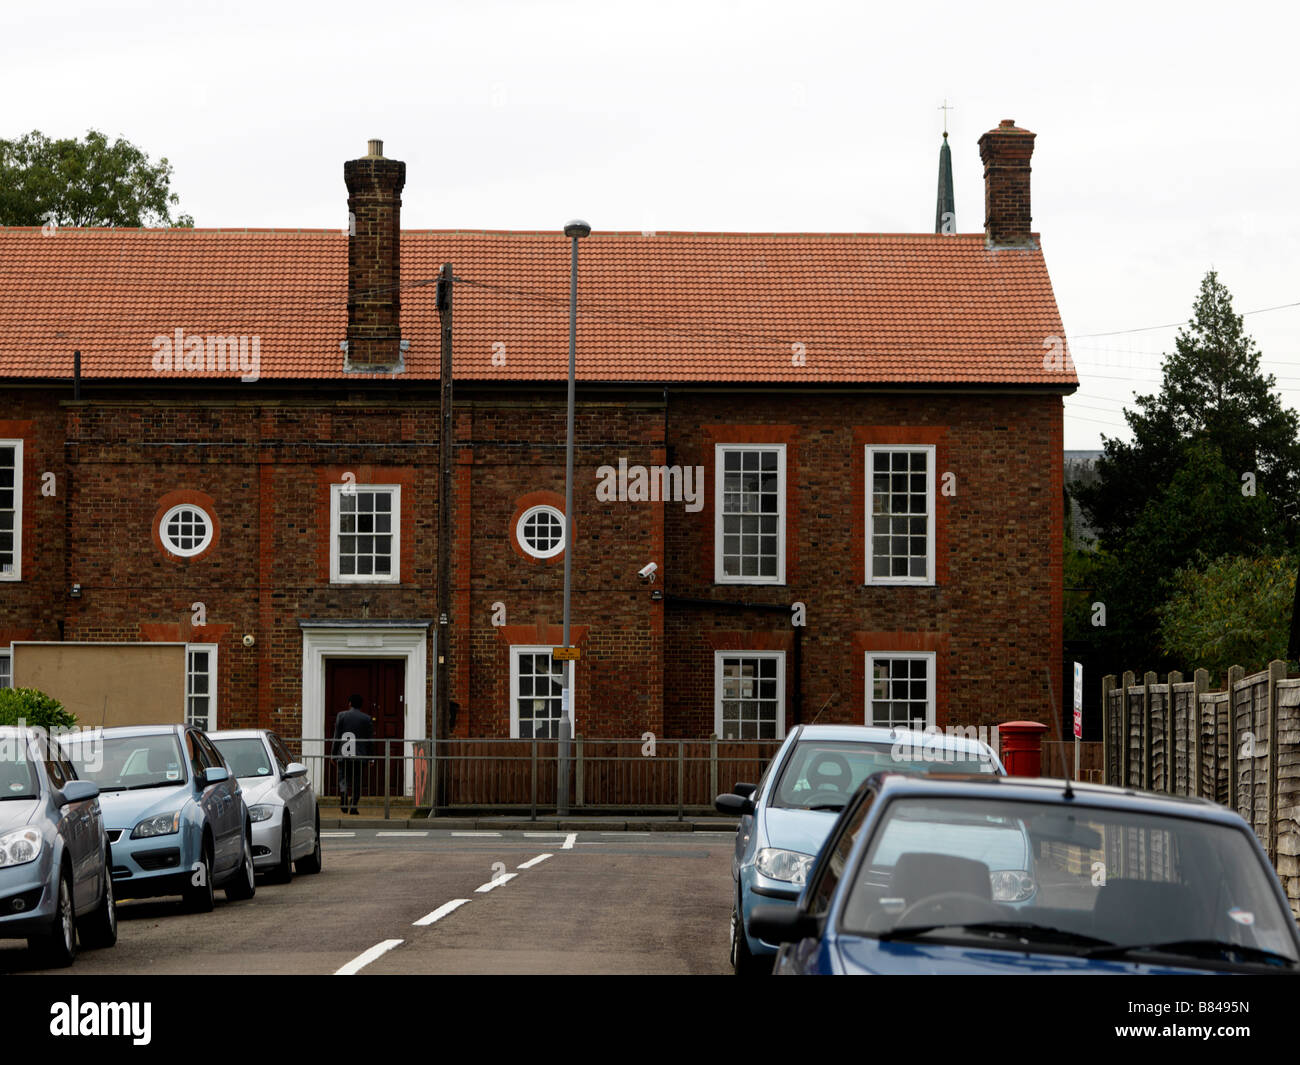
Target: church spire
[945, 211]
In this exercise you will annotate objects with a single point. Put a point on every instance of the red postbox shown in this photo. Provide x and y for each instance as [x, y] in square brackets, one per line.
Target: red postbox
[1022, 747]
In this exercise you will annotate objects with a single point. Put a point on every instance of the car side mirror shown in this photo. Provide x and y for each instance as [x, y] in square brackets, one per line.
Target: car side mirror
[77, 791]
[294, 769]
[781, 924]
[746, 790]
[215, 775]
[733, 804]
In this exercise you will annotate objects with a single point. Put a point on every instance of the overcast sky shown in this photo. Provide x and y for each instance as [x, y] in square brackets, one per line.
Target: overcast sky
[1164, 144]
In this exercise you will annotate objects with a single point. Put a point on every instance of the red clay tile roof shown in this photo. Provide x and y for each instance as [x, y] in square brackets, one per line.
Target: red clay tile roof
[866, 308]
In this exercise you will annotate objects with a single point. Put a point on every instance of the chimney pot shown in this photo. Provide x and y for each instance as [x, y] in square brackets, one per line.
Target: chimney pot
[1006, 152]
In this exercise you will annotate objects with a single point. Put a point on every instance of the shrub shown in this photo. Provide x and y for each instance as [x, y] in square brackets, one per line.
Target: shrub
[33, 708]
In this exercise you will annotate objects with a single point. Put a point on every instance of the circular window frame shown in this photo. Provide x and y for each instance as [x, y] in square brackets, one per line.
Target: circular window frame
[202, 546]
[522, 540]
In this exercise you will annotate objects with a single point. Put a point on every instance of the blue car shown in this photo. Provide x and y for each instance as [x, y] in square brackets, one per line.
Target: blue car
[785, 818]
[54, 853]
[175, 815]
[913, 880]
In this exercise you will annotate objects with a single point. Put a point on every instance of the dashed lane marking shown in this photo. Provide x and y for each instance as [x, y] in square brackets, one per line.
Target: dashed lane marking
[441, 911]
[568, 841]
[362, 960]
[505, 878]
[337, 835]
[494, 835]
[402, 834]
[534, 861]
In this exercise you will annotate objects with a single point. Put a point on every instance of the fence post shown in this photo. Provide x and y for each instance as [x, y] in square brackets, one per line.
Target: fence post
[1107, 729]
[1201, 678]
[681, 782]
[534, 813]
[1127, 760]
[1148, 678]
[1276, 672]
[1235, 673]
[433, 777]
[1171, 736]
[713, 764]
[388, 750]
[577, 784]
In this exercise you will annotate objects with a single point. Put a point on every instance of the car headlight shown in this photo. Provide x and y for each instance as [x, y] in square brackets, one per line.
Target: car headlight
[261, 813]
[161, 825]
[1011, 885]
[790, 866]
[19, 848]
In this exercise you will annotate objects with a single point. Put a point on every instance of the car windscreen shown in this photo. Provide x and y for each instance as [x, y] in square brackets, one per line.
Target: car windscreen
[824, 774]
[18, 779]
[246, 757]
[1087, 877]
[120, 763]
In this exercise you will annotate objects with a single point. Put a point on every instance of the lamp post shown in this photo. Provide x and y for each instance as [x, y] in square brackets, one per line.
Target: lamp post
[575, 231]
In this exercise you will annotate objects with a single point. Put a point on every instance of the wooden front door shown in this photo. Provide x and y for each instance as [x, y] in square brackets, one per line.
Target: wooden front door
[381, 683]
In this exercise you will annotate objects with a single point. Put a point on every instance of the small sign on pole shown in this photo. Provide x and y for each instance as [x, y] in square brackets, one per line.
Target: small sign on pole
[1078, 714]
[564, 654]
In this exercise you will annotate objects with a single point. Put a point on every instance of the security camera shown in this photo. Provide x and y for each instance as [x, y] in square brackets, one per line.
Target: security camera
[647, 572]
[249, 640]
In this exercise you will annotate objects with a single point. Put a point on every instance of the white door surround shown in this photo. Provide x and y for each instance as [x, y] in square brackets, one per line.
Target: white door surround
[407, 640]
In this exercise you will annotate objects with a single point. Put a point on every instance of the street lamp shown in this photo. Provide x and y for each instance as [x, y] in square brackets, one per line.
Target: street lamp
[575, 230]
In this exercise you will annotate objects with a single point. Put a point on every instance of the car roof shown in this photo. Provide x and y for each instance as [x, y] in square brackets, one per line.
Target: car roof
[1050, 790]
[238, 734]
[880, 734]
[128, 731]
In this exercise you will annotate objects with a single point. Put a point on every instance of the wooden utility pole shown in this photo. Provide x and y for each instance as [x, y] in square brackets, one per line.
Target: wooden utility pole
[446, 457]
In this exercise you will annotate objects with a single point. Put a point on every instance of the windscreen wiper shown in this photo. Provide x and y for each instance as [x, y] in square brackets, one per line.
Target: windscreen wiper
[1197, 948]
[1027, 931]
[154, 784]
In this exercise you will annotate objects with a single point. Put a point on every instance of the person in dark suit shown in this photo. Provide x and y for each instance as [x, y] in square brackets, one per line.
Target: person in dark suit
[353, 732]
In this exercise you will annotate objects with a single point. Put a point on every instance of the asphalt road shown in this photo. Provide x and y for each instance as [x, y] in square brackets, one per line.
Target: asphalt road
[617, 902]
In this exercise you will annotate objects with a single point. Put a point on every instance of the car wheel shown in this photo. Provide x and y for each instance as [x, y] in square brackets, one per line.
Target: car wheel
[58, 946]
[743, 961]
[244, 886]
[100, 928]
[311, 863]
[200, 896]
[283, 871]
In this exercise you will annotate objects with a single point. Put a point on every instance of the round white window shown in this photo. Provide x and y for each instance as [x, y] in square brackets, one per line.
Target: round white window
[185, 530]
[541, 531]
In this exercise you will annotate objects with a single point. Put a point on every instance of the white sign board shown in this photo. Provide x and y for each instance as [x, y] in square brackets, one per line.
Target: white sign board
[1078, 700]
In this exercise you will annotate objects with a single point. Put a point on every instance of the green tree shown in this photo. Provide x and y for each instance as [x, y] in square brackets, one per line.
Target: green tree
[1232, 611]
[87, 182]
[34, 708]
[1212, 390]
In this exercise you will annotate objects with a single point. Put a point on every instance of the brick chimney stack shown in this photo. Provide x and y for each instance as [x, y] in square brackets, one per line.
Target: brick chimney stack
[374, 273]
[1005, 152]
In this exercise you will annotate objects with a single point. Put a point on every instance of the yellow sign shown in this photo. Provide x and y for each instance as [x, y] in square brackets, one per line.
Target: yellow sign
[564, 654]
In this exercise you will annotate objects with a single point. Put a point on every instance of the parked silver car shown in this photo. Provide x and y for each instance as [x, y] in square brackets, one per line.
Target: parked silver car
[55, 880]
[280, 798]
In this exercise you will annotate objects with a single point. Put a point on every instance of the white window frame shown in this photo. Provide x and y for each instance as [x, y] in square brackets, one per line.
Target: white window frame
[718, 656]
[869, 451]
[7, 655]
[564, 532]
[395, 574]
[533, 649]
[719, 482]
[170, 548]
[16, 574]
[931, 658]
[211, 649]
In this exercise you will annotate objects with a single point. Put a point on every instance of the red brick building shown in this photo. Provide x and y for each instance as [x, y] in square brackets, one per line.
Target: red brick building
[859, 437]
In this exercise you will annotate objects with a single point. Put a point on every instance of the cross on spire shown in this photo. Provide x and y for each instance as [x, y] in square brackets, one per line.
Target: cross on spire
[945, 109]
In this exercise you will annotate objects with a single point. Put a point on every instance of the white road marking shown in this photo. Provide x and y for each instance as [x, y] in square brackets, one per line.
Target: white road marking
[544, 835]
[504, 878]
[337, 835]
[568, 841]
[442, 911]
[401, 833]
[493, 834]
[362, 960]
[534, 861]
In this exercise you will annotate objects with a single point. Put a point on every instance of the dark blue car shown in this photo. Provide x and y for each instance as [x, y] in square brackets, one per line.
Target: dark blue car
[1120, 882]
